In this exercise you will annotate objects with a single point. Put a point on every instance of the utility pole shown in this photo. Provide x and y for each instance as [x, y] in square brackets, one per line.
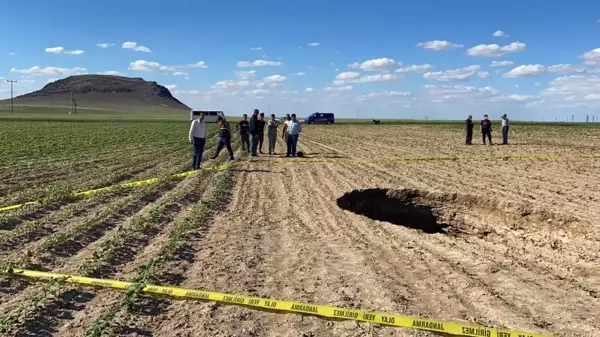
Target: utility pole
[12, 103]
[572, 118]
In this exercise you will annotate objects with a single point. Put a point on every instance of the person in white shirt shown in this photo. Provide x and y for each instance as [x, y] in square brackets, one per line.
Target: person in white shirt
[197, 138]
[294, 129]
[504, 129]
[286, 125]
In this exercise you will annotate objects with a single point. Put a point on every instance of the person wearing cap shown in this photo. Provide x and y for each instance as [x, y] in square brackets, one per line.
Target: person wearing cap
[197, 137]
[224, 138]
[486, 129]
[504, 129]
[469, 128]
[272, 133]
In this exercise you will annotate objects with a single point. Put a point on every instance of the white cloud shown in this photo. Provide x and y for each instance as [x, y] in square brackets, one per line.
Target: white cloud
[461, 74]
[111, 72]
[501, 63]
[50, 71]
[447, 93]
[12, 54]
[105, 45]
[300, 74]
[494, 50]
[74, 52]
[313, 44]
[143, 65]
[231, 84]
[275, 78]
[591, 57]
[258, 63]
[483, 74]
[180, 73]
[55, 50]
[538, 69]
[257, 92]
[379, 64]
[565, 68]
[439, 45]
[378, 78]
[50, 80]
[421, 68]
[256, 48]
[570, 92]
[134, 46]
[245, 75]
[528, 70]
[385, 95]
[348, 75]
[499, 33]
[342, 88]
[62, 50]
[171, 86]
[199, 64]
[592, 97]
[309, 90]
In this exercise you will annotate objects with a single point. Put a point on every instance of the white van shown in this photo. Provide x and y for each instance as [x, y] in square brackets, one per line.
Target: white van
[209, 116]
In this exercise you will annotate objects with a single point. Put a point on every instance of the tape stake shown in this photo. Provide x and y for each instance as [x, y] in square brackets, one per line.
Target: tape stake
[458, 329]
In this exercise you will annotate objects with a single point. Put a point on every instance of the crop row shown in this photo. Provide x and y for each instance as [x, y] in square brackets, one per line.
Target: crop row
[132, 299]
[140, 229]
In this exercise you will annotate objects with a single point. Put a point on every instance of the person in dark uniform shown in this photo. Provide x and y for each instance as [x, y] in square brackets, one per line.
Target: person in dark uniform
[486, 129]
[469, 125]
[260, 128]
[224, 138]
[244, 128]
[254, 133]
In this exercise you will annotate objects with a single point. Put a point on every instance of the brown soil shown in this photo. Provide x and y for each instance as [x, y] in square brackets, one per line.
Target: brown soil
[510, 244]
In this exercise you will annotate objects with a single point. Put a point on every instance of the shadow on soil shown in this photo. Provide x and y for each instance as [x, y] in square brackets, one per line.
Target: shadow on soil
[402, 208]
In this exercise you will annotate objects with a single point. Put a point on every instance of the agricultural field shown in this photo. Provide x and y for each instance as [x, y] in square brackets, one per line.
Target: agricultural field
[392, 218]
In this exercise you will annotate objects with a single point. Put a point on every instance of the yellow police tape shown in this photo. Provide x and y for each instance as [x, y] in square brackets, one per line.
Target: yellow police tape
[307, 161]
[124, 185]
[396, 320]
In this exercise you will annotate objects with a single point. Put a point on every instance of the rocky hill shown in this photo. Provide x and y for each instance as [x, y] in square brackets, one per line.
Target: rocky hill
[103, 92]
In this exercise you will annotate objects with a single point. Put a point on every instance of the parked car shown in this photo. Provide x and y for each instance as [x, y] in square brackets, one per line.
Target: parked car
[209, 116]
[320, 118]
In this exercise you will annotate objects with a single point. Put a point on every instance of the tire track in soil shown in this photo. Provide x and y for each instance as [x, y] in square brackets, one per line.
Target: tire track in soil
[523, 271]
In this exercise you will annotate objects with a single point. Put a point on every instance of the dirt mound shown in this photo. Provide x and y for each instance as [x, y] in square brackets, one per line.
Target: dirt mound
[104, 92]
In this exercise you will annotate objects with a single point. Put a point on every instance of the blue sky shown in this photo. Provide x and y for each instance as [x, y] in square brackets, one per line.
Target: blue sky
[382, 59]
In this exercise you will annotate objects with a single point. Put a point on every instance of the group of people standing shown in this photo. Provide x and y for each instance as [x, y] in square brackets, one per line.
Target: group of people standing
[251, 133]
[486, 129]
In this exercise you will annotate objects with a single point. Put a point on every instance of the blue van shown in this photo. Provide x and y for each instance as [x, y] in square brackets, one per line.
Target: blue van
[320, 118]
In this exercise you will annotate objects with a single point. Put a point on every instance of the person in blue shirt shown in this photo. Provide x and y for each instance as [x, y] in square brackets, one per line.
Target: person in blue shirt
[294, 130]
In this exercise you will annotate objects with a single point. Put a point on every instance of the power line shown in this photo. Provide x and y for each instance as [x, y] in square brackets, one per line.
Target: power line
[12, 104]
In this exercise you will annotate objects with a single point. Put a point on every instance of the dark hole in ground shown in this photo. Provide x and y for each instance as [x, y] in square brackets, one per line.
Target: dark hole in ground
[400, 207]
